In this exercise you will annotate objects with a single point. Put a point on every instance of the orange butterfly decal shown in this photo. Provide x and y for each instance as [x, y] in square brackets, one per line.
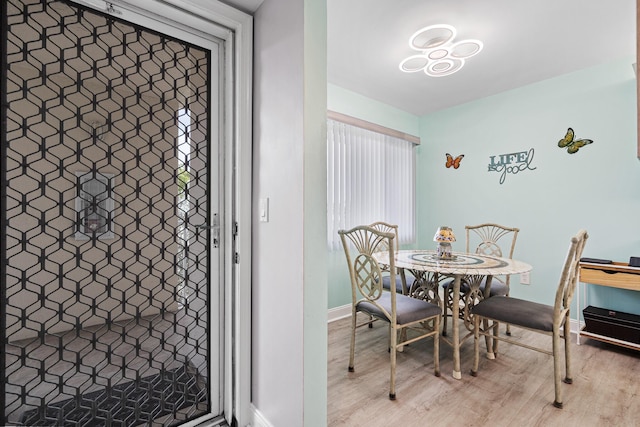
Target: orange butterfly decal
[454, 162]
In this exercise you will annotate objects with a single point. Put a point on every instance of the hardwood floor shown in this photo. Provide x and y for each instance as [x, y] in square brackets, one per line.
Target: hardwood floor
[516, 389]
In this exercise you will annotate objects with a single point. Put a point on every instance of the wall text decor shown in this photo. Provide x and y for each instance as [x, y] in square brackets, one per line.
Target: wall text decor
[511, 163]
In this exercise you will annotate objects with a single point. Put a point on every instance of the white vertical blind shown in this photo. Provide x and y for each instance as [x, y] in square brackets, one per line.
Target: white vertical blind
[370, 177]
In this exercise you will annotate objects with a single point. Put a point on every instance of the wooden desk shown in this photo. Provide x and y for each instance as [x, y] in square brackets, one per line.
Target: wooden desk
[617, 275]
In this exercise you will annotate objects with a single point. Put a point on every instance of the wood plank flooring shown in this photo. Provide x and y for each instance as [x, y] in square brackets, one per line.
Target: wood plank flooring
[516, 389]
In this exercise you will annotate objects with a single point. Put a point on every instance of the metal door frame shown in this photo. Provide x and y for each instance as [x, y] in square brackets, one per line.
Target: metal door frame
[235, 27]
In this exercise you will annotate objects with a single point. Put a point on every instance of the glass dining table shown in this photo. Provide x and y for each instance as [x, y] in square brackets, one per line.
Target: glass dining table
[429, 271]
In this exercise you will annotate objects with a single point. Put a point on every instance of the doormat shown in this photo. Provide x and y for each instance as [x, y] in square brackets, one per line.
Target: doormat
[123, 405]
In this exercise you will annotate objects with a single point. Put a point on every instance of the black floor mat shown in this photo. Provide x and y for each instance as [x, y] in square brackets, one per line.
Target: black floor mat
[123, 405]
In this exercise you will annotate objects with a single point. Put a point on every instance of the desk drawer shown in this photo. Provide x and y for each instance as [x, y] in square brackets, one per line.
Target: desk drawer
[615, 279]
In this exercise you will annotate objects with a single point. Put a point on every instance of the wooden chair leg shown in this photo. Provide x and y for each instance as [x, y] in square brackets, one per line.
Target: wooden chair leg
[496, 331]
[446, 307]
[392, 383]
[567, 350]
[403, 338]
[476, 345]
[353, 341]
[508, 331]
[489, 343]
[436, 346]
[557, 370]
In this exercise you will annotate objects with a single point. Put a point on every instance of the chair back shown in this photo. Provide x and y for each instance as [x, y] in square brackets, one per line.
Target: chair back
[360, 244]
[569, 276]
[492, 238]
[387, 228]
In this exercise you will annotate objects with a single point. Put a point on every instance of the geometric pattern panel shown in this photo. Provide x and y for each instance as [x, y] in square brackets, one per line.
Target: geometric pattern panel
[106, 276]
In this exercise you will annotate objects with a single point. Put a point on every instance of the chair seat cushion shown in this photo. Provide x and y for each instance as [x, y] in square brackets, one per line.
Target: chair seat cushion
[408, 309]
[516, 312]
[386, 282]
[464, 287]
[498, 287]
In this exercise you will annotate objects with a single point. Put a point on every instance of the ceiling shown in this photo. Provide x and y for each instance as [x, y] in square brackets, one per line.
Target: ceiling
[524, 42]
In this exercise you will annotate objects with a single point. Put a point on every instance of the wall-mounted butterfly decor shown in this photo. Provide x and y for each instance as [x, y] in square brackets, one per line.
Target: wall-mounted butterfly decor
[572, 145]
[455, 162]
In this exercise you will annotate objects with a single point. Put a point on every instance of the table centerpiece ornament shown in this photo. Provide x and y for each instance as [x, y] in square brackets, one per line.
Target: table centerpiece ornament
[444, 236]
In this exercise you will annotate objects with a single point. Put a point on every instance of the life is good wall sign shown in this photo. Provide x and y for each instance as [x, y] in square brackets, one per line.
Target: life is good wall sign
[511, 163]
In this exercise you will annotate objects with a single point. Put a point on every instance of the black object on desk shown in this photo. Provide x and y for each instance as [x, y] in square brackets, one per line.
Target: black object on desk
[634, 261]
[596, 260]
[614, 324]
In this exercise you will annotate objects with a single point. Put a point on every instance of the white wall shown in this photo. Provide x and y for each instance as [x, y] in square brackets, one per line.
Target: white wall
[289, 264]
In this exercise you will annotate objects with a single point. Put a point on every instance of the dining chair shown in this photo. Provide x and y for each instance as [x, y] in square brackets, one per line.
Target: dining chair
[488, 239]
[404, 280]
[533, 316]
[409, 319]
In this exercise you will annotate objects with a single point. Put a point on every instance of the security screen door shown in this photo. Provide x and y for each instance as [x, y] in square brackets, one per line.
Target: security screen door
[111, 296]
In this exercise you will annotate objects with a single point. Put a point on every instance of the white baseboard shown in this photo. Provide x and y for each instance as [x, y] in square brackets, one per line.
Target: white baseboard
[258, 419]
[338, 313]
[576, 326]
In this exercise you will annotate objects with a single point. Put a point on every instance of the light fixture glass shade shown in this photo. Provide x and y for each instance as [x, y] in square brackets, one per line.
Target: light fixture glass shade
[444, 67]
[439, 54]
[466, 49]
[414, 63]
[432, 37]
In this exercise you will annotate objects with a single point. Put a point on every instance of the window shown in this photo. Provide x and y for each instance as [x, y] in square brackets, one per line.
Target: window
[94, 206]
[370, 177]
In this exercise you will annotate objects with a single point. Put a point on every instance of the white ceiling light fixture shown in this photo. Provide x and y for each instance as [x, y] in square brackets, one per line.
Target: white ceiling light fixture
[440, 55]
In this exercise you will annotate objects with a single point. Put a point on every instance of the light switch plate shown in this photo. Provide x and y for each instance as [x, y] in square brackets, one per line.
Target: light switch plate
[525, 278]
[263, 209]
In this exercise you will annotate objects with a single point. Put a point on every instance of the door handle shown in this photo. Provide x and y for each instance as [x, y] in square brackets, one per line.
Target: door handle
[214, 228]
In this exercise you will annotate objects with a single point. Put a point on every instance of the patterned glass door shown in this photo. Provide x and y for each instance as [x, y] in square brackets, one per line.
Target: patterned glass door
[110, 300]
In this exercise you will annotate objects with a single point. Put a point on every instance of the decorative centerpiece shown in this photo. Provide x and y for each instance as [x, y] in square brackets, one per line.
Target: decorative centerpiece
[444, 236]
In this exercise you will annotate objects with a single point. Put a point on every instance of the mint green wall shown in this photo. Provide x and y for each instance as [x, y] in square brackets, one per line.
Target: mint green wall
[596, 189]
